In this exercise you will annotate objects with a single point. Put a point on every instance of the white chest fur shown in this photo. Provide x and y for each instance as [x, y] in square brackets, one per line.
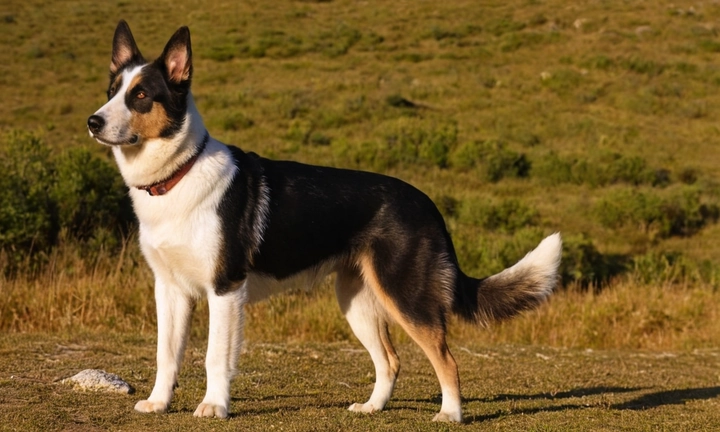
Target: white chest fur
[180, 232]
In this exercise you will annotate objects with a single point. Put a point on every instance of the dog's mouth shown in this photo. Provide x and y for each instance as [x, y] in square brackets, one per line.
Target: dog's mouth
[133, 140]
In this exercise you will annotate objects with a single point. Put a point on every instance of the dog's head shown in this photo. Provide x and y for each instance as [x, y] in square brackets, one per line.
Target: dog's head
[145, 100]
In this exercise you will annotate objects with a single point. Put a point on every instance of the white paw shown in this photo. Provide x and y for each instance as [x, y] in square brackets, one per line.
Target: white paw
[148, 406]
[211, 410]
[362, 408]
[448, 417]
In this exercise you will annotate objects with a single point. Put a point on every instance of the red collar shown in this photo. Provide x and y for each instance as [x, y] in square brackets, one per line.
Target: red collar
[163, 187]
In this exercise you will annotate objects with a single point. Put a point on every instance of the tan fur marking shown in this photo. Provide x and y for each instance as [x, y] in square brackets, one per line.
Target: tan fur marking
[135, 81]
[431, 340]
[389, 349]
[151, 124]
[148, 125]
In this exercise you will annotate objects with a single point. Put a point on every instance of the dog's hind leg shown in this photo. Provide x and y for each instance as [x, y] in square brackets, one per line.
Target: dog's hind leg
[369, 323]
[225, 335]
[429, 333]
[432, 341]
[174, 310]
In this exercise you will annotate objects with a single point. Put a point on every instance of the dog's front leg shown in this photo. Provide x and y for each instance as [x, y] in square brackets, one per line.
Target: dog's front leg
[174, 310]
[227, 317]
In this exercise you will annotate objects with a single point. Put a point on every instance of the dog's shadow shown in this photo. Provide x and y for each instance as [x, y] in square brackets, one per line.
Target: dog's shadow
[574, 393]
[668, 397]
[580, 392]
[646, 401]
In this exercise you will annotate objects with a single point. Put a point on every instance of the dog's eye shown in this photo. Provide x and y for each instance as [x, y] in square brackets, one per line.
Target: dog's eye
[141, 95]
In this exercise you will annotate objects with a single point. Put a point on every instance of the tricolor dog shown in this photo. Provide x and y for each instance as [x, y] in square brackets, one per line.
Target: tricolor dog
[234, 227]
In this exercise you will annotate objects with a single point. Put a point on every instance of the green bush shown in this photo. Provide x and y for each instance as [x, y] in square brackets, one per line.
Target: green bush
[89, 194]
[236, 120]
[631, 170]
[597, 170]
[404, 141]
[681, 213]
[583, 264]
[553, 169]
[493, 158]
[507, 216]
[642, 66]
[28, 215]
[42, 194]
[673, 267]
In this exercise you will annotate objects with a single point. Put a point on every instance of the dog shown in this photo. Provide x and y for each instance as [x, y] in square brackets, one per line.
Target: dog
[234, 227]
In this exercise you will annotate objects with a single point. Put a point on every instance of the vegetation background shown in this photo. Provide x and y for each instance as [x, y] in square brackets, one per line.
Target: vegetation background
[519, 118]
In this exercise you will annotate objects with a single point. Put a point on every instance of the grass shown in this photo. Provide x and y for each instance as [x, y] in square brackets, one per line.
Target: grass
[308, 387]
[519, 118]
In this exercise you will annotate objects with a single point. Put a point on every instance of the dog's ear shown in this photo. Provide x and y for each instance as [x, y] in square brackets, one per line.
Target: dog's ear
[177, 56]
[124, 47]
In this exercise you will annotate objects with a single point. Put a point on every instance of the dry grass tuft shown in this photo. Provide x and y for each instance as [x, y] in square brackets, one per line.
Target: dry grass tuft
[114, 292]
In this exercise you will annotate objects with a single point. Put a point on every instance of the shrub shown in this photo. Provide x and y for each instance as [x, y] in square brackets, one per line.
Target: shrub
[688, 175]
[583, 264]
[642, 66]
[507, 216]
[493, 158]
[410, 140]
[89, 194]
[236, 120]
[28, 215]
[631, 170]
[599, 169]
[680, 214]
[553, 169]
[319, 139]
[42, 194]
[673, 267]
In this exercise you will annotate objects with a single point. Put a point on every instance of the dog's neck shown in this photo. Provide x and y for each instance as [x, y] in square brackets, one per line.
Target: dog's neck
[163, 187]
[158, 160]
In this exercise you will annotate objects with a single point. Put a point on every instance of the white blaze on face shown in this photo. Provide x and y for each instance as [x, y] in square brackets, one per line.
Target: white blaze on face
[116, 113]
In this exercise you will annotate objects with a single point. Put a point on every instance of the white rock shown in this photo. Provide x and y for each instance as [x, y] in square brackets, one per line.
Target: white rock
[98, 380]
[580, 23]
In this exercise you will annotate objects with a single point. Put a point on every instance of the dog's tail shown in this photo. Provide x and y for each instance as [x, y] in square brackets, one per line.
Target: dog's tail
[518, 288]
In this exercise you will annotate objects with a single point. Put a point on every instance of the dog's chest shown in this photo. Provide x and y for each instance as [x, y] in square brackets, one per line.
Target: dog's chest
[181, 237]
[181, 232]
[184, 253]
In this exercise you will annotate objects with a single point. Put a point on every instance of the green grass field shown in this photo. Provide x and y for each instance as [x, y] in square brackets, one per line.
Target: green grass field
[519, 118]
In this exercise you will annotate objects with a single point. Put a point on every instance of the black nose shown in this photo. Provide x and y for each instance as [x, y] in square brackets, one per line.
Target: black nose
[96, 123]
